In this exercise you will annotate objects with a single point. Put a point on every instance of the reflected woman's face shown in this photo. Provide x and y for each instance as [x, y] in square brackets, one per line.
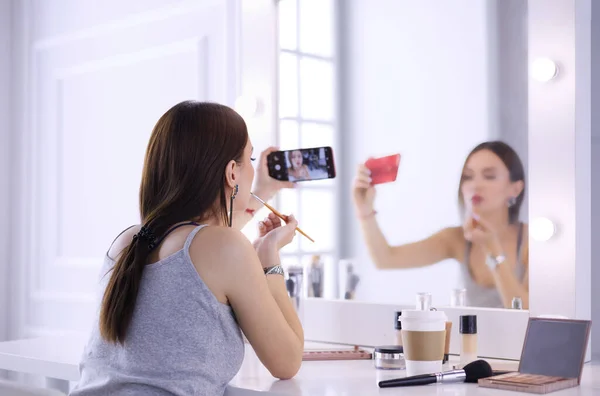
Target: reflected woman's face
[296, 159]
[486, 184]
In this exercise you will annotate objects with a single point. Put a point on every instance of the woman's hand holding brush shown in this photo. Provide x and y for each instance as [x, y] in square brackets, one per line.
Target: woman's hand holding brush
[281, 216]
[272, 236]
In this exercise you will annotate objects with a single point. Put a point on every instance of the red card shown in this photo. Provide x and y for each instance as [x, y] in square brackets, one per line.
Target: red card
[384, 169]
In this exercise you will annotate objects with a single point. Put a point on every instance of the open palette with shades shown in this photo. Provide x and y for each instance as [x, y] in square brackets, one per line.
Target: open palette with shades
[337, 354]
[552, 357]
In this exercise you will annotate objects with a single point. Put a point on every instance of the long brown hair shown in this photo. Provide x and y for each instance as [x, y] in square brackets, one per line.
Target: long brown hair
[516, 172]
[183, 179]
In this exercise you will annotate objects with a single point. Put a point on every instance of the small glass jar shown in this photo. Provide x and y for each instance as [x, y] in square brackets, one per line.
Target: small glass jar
[389, 357]
[423, 302]
[458, 298]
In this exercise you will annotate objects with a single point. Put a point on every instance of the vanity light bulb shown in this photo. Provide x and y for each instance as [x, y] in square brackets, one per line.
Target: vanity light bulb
[543, 69]
[541, 229]
[247, 106]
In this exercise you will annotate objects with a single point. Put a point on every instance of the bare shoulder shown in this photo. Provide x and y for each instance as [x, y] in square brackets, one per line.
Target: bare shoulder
[455, 239]
[223, 246]
[525, 248]
[525, 232]
[122, 241]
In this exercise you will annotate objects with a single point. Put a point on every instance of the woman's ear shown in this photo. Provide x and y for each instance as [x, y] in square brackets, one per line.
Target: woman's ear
[517, 188]
[231, 174]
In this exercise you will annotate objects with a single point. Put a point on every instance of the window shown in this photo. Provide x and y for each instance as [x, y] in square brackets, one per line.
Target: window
[307, 118]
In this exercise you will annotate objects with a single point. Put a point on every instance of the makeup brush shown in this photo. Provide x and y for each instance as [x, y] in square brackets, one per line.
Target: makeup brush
[282, 217]
[475, 200]
[471, 373]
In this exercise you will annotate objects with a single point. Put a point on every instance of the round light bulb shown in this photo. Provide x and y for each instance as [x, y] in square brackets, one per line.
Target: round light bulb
[544, 69]
[247, 106]
[541, 229]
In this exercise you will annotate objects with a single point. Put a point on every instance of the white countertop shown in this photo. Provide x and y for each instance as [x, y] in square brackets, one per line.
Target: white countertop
[58, 357]
[359, 377]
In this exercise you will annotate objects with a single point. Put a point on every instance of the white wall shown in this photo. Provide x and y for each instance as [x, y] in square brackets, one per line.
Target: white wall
[91, 79]
[595, 161]
[5, 163]
[417, 80]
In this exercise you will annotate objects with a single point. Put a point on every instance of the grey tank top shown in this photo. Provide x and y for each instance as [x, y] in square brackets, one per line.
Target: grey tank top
[181, 341]
[480, 296]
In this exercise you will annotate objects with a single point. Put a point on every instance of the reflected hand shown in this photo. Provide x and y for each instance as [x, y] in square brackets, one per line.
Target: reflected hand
[264, 185]
[363, 192]
[479, 231]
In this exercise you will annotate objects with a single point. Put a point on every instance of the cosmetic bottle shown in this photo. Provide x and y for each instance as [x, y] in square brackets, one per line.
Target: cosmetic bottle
[517, 303]
[423, 302]
[468, 332]
[458, 298]
[398, 327]
[316, 277]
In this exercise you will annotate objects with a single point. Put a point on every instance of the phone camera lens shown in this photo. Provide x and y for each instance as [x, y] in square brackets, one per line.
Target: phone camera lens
[277, 167]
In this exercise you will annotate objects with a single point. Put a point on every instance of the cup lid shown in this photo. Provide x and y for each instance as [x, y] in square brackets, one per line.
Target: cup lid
[389, 349]
[423, 315]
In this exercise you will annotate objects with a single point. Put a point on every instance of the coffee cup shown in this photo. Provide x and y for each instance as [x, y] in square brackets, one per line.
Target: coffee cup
[424, 338]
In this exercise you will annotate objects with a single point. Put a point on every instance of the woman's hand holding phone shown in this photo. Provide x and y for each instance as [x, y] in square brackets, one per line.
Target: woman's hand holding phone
[264, 185]
[363, 192]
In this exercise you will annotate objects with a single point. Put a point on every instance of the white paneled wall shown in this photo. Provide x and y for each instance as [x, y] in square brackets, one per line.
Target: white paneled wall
[98, 76]
[5, 162]
[595, 161]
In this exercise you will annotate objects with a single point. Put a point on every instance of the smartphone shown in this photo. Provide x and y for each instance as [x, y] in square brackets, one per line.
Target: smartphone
[302, 164]
[384, 169]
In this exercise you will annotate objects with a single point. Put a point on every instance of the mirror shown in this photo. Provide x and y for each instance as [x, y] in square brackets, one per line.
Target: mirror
[425, 79]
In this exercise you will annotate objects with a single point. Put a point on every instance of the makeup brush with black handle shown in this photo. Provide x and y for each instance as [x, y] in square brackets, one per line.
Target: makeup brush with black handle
[472, 373]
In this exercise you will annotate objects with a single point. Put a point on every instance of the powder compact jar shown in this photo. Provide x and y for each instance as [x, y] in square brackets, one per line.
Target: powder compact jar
[389, 357]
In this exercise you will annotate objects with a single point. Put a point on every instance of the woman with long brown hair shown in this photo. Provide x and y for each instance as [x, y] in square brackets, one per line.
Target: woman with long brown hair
[179, 287]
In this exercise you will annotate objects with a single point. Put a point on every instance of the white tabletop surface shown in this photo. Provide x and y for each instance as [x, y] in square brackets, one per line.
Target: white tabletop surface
[58, 357]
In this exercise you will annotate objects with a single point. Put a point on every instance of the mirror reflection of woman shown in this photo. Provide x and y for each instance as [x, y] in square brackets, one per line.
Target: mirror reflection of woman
[298, 169]
[492, 244]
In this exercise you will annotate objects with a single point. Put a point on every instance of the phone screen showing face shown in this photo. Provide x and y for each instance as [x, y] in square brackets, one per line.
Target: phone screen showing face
[384, 169]
[302, 164]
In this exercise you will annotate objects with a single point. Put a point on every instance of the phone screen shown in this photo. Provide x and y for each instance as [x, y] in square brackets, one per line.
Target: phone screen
[302, 164]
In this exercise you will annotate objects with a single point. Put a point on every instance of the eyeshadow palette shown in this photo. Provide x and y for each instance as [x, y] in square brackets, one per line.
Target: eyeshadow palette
[531, 383]
[552, 357]
[342, 354]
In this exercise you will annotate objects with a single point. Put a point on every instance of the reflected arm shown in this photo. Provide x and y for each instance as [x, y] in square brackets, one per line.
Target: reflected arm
[428, 251]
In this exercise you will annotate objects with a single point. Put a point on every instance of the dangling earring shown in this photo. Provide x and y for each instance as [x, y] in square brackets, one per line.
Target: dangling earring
[233, 194]
[511, 201]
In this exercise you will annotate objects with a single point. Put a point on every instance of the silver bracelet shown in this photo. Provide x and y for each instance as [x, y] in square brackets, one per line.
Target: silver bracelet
[276, 269]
